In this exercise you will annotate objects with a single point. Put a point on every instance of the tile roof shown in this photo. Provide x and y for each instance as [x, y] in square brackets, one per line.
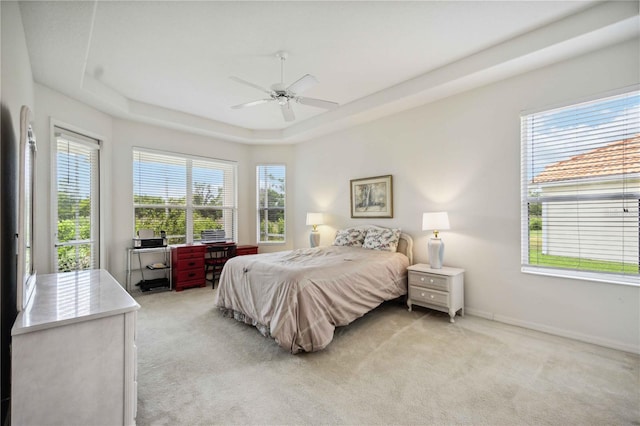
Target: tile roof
[616, 158]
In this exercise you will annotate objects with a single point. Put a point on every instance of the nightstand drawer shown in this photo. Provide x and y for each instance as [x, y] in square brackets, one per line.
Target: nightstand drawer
[426, 280]
[435, 297]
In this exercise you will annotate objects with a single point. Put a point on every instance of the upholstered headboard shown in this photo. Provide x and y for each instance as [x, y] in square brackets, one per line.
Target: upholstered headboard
[405, 245]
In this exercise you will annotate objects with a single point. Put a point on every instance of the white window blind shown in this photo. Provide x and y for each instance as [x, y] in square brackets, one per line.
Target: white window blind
[581, 189]
[271, 183]
[183, 196]
[214, 197]
[78, 197]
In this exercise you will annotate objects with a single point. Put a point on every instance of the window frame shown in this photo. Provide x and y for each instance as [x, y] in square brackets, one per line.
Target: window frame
[90, 139]
[189, 207]
[526, 267]
[260, 209]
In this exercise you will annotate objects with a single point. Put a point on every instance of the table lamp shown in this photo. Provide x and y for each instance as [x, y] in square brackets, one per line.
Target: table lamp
[314, 219]
[435, 222]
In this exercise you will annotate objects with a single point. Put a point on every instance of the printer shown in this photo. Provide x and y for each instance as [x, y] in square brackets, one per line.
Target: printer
[147, 239]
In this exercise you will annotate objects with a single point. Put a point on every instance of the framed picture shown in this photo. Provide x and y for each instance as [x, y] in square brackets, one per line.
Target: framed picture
[372, 197]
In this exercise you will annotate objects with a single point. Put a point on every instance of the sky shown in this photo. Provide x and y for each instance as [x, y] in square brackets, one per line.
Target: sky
[562, 133]
[169, 179]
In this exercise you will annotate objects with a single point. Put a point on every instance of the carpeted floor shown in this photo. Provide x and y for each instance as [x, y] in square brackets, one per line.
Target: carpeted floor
[389, 367]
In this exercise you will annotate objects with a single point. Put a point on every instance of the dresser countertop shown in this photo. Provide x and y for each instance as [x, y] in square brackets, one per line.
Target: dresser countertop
[71, 297]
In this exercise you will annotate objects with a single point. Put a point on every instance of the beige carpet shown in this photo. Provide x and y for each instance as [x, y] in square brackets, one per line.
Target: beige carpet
[389, 367]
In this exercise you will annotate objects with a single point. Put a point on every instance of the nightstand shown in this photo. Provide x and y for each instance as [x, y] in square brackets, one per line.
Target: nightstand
[439, 289]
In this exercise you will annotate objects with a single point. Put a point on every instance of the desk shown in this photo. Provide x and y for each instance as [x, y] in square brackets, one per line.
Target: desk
[187, 263]
[246, 249]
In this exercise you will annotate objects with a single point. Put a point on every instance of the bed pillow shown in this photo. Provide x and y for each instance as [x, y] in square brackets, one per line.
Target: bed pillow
[382, 239]
[352, 237]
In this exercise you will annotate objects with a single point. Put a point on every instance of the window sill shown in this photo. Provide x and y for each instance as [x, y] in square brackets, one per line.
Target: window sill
[632, 280]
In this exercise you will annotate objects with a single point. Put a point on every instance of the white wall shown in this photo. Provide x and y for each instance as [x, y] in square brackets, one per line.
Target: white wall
[17, 80]
[462, 155]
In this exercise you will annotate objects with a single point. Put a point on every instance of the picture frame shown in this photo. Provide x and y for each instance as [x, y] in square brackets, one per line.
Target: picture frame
[372, 197]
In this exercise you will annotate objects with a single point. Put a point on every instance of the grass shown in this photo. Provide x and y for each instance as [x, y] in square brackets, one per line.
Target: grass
[537, 258]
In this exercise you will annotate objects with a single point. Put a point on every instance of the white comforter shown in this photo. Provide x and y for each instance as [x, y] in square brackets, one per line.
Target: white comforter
[300, 296]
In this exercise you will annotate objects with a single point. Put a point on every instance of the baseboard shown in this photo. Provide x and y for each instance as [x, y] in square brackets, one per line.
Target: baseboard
[478, 313]
[555, 331]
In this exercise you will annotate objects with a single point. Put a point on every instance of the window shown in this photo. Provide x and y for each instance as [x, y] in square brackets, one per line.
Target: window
[271, 203]
[581, 190]
[183, 196]
[77, 177]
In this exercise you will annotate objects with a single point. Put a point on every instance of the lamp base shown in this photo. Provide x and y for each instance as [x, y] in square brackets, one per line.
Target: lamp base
[436, 252]
[314, 239]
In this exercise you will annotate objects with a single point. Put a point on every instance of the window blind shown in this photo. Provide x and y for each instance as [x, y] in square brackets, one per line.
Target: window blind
[271, 183]
[214, 198]
[183, 196]
[581, 188]
[78, 198]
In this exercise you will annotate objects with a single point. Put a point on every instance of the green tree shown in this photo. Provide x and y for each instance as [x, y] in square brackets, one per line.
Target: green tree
[170, 215]
[272, 197]
[206, 195]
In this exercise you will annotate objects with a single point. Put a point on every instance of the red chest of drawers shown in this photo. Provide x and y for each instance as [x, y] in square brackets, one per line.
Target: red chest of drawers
[246, 249]
[187, 266]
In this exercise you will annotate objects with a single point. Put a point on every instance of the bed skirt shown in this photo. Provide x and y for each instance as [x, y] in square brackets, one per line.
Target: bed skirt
[239, 316]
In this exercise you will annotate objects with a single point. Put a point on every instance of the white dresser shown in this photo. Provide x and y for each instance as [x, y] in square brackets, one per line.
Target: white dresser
[441, 289]
[74, 356]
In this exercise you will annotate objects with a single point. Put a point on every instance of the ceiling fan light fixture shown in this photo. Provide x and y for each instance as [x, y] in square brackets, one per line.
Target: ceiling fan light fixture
[283, 94]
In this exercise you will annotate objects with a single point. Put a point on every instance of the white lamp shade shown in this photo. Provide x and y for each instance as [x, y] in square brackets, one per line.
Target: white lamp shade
[435, 221]
[314, 218]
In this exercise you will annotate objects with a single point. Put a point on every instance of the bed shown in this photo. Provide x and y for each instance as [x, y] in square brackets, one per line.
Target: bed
[299, 297]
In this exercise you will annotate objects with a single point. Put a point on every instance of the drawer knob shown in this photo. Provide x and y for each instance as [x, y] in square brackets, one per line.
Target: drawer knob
[431, 280]
[431, 296]
[422, 279]
[422, 294]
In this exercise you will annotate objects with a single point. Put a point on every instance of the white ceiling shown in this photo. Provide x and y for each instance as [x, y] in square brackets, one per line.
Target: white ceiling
[169, 63]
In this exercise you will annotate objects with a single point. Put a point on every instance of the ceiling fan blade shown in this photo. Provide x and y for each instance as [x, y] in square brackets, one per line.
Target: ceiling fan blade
[248, 83]
[307, 81]
[318, 103]
[287, 112]
[252, 103]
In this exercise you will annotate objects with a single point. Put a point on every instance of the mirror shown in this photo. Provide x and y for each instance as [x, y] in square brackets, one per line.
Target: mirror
[26, 193]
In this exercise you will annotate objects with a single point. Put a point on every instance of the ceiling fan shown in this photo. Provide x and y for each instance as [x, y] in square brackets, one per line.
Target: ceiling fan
[284, 95]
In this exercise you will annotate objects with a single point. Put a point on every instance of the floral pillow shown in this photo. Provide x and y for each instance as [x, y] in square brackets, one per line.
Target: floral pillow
[352, 237]
[382, 239]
